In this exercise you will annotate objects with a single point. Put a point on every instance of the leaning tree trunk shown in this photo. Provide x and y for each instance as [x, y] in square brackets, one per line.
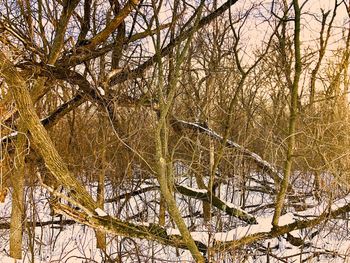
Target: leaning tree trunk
[40, 137]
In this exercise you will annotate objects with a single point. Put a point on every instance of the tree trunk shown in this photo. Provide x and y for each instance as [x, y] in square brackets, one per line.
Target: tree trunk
[292, 119]
[17, 180]
[40, 137]
[100, 235]
[162, 209]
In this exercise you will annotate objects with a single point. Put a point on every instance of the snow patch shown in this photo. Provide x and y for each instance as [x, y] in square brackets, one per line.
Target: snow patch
[264, 225]
[101, 90]
[203, 191]
[232, 206]
[12, 134]
[100, 212]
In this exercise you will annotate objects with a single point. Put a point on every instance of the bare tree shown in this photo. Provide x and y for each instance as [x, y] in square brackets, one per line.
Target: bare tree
[176, 123]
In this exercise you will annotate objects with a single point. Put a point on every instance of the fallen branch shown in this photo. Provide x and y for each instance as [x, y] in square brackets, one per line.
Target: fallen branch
[198, 194]
[207, 196]
[116, 226]
[41, 224]
[260, 162]
[280, 230]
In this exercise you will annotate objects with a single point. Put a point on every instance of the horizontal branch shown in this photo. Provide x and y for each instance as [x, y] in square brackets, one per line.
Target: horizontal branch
[207, 196]
[281, 230]
[116, 226]
[198, 194]
[41, 224]
[162, 235]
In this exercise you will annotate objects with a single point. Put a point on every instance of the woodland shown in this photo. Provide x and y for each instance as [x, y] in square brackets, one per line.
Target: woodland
[174, 131]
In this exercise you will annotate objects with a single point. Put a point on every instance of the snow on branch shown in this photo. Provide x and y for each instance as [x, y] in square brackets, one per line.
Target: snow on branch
[198, 194]
[247, 235]
[116, 226]
[255, 157]
[207, 196]
[8, 137]
[243, 236]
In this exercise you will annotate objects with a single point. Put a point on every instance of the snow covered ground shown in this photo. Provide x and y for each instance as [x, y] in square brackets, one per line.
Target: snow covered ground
[72, 243]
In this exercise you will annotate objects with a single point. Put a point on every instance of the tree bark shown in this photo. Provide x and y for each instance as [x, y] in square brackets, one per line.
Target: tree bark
[17, 180]
[100, 235]
[292, 118]
[40, 137]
